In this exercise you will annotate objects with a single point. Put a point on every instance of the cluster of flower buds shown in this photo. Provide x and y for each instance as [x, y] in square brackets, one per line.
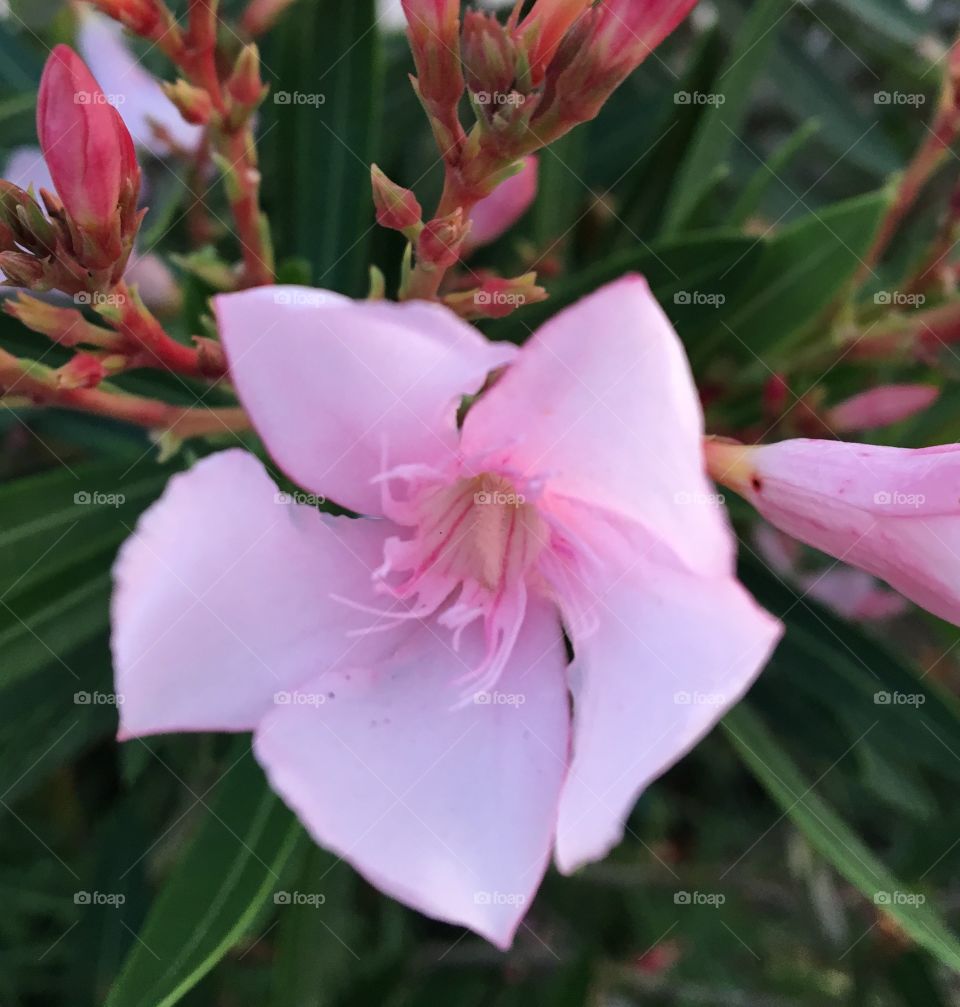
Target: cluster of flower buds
[83, 242]
[529, 80]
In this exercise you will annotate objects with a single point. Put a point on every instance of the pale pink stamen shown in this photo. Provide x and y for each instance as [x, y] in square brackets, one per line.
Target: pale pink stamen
[475, 543]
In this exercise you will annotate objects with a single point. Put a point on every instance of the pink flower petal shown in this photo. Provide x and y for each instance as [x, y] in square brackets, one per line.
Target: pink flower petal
[673, 653]
[496, 214]
[893, 512]
[451, 811]
[223, 600]
[338, 389]
[601, 404]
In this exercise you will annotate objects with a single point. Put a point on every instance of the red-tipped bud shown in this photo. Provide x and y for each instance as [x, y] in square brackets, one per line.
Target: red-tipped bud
[245, 84]
[599, 50]
[489, 55]
[83, 370]
[90, 154]
[397, 208]
[440, 240]
[261, 15]
[433, 27]
[880, 407]
[194, 103]
[544, 28]
[627, 32]
[497, 297]
[146, 18]
[23, 270]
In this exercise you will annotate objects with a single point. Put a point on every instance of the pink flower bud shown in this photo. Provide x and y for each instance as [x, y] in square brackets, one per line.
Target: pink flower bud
[879, 407]
[245, 85]
[433, 27]
[546, 25]
[88, 150]
[607, 43]
[397, 208]
[441, 239]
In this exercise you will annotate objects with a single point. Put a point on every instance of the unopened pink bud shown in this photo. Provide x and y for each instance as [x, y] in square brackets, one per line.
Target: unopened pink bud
[245, 84]
[397, 208]
[440, 240]
[880, 407]
[545, 27]
[194, 104]
[83, 370]
[433, 27]
[88, 150]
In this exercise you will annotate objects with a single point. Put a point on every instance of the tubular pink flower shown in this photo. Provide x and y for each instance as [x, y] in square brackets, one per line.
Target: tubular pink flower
[86, 146]
[893, 512]
[496, 214]
[405, 672]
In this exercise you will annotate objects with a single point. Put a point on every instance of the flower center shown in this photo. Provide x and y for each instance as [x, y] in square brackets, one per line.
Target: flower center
[471, 556]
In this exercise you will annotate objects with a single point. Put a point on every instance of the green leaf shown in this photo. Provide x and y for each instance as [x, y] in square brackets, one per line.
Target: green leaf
[897, 20]
[40, 627]
[832, 838]
[322, 127]
[770, 172]
[52, 716]
[701, 263]
[219, 887]
[53, 519]
[800, 273]
[720, 124]
[808, 88]
[847, 672]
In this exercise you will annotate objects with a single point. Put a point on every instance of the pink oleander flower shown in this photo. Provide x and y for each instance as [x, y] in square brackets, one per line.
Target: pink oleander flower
[881, 407]
[890, 511]
[498, 212]
[89, 153]
[405, 672]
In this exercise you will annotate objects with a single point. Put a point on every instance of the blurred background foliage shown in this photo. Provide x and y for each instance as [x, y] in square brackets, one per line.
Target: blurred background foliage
[826, 819]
